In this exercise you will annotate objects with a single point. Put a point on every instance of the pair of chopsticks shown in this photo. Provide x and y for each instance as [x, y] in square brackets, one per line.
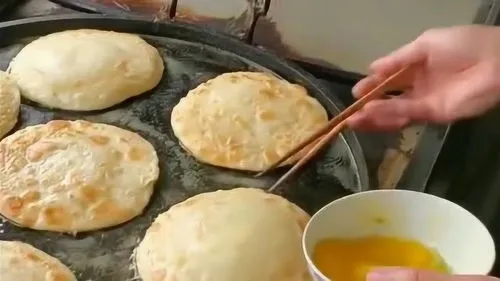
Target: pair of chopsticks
[329, 131]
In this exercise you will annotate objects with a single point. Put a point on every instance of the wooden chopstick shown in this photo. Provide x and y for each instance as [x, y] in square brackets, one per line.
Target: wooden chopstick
[334, 127]
[373, 94]
[335, 131]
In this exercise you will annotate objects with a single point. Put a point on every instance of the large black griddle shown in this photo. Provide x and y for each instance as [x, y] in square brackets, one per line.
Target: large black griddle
[193, 55]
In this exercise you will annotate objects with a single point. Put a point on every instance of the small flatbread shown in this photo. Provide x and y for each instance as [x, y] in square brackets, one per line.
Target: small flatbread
[74, 176]
[242, 234]
[22, 262]
[10, 102]
[86, 69]
[246, 120]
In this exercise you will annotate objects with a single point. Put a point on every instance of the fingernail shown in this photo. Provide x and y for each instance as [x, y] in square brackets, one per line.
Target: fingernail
[355, 90]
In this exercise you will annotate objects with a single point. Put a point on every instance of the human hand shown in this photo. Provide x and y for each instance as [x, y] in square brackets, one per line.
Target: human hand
[455, 75]
[388, 274]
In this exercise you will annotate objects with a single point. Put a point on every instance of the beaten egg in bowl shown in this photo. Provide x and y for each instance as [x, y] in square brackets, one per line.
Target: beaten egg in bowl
[351, 259]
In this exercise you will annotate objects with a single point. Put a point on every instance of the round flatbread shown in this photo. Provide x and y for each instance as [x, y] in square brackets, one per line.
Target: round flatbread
[86, 69]
[242, 234]
[10, 102]
[22, 262]
[74, 176]
[246, 120]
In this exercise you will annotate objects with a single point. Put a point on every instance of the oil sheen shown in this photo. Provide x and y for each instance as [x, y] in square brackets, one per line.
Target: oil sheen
[352, 259]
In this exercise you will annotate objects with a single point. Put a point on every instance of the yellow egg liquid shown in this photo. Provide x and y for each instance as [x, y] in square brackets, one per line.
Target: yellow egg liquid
[352, 259]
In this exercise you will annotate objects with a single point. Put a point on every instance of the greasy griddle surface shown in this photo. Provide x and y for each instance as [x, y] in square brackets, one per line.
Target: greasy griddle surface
[106, 255]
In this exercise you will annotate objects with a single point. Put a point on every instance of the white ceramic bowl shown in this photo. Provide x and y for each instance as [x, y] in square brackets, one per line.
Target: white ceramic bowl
[460, 238]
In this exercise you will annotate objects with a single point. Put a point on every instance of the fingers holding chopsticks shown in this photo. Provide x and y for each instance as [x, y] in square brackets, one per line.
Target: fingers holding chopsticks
[388, 114]
[454, 76]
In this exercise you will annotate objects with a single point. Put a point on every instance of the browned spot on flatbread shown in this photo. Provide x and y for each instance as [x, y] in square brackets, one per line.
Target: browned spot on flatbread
[33, 258]
[56, 275]
[30, 196]
[319, 119]
[30, 181]
[123, 66]
[304, 103]
[110, 211]
[90, 194]
[15, 165]
[269, 93]
[236, 154]
[99, 140]
[267, 116]
[124, 140]
[40, 150]
[56, 216]
[28, 220]
[3, 154]
[135, 154]
[219, 159]
[233, 79]
[57, 125]
[240, 122]
[271, 156]
[13, 206]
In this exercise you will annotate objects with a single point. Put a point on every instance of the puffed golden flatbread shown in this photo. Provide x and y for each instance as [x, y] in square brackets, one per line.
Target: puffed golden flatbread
[86, 69]
[246, 120]
[10, 102]
[74, 176]
[22, 262]
[241, 234]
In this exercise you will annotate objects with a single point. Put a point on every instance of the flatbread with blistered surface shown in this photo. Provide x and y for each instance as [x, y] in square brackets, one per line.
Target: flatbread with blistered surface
[242, 234]
[10, 102]
[73, 176]
[246, 120]
[22, 262]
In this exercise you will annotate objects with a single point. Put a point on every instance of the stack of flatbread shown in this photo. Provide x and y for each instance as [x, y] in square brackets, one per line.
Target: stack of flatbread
[77, 176]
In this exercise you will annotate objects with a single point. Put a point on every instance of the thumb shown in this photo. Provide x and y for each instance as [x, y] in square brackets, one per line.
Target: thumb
[402, 274]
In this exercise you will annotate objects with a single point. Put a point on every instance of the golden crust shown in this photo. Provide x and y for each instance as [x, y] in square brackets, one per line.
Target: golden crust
[20, 261]
[245, 120]
[73, 176]
[10, 102]
[241, 234]
[86, 69]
